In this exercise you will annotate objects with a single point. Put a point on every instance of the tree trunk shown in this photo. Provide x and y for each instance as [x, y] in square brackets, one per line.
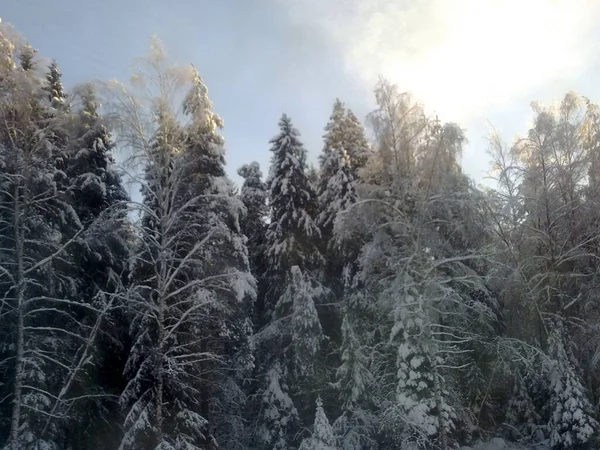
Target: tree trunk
[20, 343]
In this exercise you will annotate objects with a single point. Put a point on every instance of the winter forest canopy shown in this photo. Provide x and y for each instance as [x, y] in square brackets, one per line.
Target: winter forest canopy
[379, 301]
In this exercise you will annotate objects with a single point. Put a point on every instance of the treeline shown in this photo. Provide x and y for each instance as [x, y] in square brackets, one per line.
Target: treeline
[382, 301]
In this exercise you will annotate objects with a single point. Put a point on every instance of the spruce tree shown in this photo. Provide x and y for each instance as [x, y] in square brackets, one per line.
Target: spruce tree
[54, 87]
[101, 256]
[322, 437]
[291, 333]
[344, 153]
[191, 290]
[334, 140]
[339, 193]
[357, 146]
[278, 418]
[50, 331]
[253, 224]
[307, 335]
[571, 423]
[354, 382]
[292, 235]
[234, 287]
[27, 57]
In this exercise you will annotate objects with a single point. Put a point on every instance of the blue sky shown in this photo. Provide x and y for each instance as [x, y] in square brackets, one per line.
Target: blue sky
[471, 61]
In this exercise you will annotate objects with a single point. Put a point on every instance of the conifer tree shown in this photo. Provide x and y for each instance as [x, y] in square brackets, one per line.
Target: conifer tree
[357, 146]
[322, 437]
[292, 235]
[101, 256]
[253, 224]
[355, 427]
[50, 332]
[229, 269]
[27, 57]
[571, 423]
[191, 289]
[334, 140]
[307, 335]
[343, 155]
[339, 193]
[278, 418]
[54, 87]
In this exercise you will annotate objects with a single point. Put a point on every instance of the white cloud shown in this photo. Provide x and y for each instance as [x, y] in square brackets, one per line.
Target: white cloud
[459, 57]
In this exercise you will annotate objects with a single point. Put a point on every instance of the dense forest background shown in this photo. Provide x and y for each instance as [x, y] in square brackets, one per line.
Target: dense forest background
[379, 301]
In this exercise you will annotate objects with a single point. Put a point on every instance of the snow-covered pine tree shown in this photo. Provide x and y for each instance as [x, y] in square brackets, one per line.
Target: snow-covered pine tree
[420, 413]
[292, 234]
[307, 335]
[334, 140]
[322, 437]
[355, 428]
[54, 87]
[49, 332]
[191, 288]
[343, 132]
[289, 347]
[338, 196]
[337, 192]
[572, 423]
[522, 413]
[312, 173]
[27, 57]
[278, 418]
[356, 146]
[101, 257]
[58, 112]
[253, 224]
[292, 239]
[233, 285]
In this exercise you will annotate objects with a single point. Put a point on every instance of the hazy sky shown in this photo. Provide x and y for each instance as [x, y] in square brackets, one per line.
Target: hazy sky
[471, 61]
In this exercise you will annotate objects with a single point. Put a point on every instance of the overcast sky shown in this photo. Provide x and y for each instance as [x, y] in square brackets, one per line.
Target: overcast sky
[470, 61]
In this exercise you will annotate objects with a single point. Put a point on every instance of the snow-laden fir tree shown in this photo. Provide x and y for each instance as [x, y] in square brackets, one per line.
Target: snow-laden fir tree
[289, 348]
[420, 412]
[278, 418]
[340, 191]
[233, 285]
[307, 335]
[322, 437]
[355, 428]
[253, 224]
[101, 256]
[191, 290]
[58, 113]
[54, 87]
[292, 234]
[292, 258]
[356, 145]
[27, 57]
[48, 330]
[572, 424]
[522, 412]
[334, 140]
[312, 173]
[96, 191]
[344, 154]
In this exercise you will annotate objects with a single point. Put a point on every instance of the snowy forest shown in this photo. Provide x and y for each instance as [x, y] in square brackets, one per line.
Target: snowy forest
[381, 300]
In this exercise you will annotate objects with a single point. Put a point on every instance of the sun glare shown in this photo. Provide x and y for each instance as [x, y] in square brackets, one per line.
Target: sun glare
[460, 57]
